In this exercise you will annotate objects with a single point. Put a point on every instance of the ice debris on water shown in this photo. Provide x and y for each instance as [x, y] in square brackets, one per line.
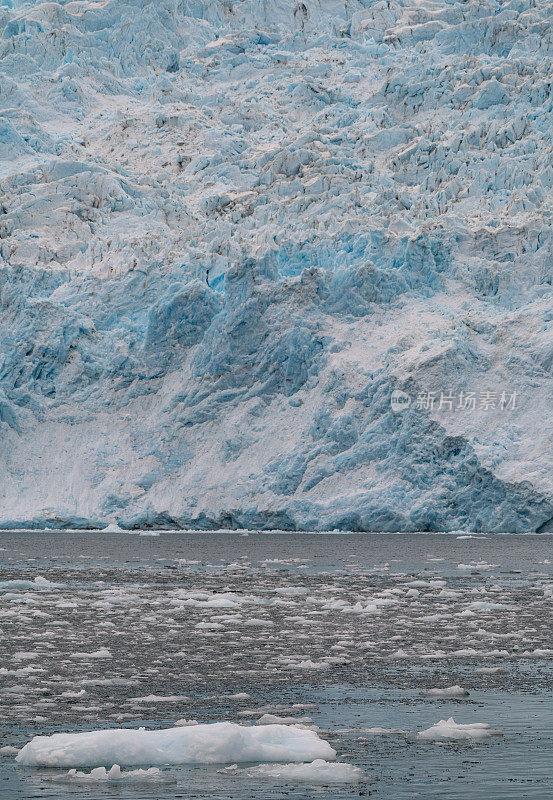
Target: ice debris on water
[113, 775]
[447, 692]
[37, 583]
[316, 772]
[9, 750]
[449, 730]
[102, 652]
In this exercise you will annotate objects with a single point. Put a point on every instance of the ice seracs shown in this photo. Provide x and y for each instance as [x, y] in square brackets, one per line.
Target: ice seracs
[229, 231]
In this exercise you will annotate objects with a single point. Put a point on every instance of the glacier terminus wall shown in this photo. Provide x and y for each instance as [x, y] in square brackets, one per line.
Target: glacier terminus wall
[231, 229]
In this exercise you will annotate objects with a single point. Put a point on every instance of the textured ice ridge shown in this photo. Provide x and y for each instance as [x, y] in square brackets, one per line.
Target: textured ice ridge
[229, 230]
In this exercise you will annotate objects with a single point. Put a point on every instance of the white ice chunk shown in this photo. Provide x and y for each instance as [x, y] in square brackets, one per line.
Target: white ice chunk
[215, 743]
[103, 652]
[445, 730]
[448, 692]
[8, 750]
[491, 671]
[113, 775]
[158, 698]
[318, 771]
[38, 583]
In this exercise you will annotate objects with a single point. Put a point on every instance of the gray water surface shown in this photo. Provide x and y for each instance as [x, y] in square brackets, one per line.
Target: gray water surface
[349, 630]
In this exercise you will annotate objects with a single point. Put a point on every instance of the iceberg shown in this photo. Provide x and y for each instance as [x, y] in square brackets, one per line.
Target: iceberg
[213, 743]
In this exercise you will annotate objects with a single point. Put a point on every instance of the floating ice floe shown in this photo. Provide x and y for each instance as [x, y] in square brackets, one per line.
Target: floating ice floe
[23, 655]
[448, 692]
[113, 775]
[538, 652]
[20, 672]
[215, 743]
[449, 730]
[8, 750]
[157, 698]
[491, 671]
[378, 731]
[318, 771]
[482, 605]
[375, 731]
[103, 652]
[38, 583]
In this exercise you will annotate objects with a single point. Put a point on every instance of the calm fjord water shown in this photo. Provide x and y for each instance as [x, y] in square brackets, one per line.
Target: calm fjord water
[348, 630]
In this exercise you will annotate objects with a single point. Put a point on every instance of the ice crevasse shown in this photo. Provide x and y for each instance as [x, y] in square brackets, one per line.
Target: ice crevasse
[229, 231]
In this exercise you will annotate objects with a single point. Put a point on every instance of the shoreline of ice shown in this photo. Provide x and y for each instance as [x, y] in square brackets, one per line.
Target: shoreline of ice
[275, 531]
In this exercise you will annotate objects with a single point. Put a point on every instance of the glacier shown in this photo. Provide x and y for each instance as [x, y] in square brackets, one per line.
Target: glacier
[230, 229]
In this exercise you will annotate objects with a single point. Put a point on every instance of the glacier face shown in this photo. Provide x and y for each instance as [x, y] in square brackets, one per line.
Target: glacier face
[231, 228]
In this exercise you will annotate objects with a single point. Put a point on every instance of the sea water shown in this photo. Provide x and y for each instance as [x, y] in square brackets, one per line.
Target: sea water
[343, 632]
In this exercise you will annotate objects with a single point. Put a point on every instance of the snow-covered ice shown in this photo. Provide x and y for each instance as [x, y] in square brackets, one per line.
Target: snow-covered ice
[102, 652]
[113, 775]
[448, 692]
[113, 527]
[37, 583]
[318, 771]
[446, 730]
[8, 750]
[230, 230]
[216, 743]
